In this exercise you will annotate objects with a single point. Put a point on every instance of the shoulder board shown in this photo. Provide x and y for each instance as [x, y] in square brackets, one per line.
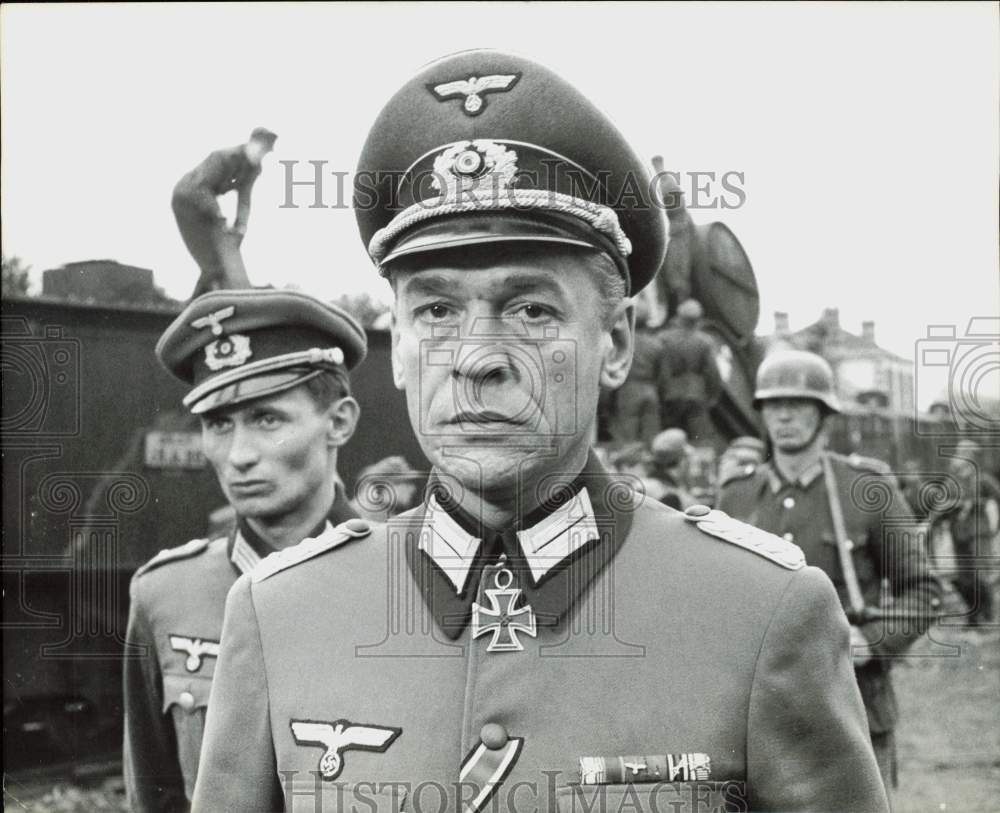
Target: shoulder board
[742, 473]
[856, 461]
[309, 548]
[722, 526]
[167, 555]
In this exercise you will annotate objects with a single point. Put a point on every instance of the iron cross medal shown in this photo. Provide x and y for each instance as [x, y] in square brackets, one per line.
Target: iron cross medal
[501, 618]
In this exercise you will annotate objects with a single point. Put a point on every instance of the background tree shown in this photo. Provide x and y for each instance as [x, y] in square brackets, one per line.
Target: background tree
[15, 277]
[363, 307]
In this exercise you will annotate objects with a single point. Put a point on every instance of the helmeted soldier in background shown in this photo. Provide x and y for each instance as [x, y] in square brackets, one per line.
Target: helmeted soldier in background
[850, 519]
[691, 383]
[269, 376]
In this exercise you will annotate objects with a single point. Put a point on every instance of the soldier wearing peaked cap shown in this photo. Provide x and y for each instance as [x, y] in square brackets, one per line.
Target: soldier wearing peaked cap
[535, 635]
[269, 376]
[850, 519]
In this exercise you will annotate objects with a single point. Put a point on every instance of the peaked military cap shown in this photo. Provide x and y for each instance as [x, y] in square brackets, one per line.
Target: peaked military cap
[487, 147]
[242, 344]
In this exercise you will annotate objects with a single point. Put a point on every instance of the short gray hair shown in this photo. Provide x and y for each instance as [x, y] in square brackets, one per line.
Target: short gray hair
[610, 283]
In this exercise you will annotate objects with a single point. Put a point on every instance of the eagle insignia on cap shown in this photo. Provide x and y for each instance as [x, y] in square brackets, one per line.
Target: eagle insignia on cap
[470, 165]
[229, 351]
[473, 89]
[214, 320]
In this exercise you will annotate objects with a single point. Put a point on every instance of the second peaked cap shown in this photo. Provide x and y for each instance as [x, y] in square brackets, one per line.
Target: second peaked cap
[488, 147]
[236, 345]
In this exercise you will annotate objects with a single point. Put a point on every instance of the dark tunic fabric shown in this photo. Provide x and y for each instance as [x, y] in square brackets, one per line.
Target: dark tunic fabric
[887, 551]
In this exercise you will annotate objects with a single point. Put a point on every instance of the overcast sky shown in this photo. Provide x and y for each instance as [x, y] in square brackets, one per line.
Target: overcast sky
[867, 134]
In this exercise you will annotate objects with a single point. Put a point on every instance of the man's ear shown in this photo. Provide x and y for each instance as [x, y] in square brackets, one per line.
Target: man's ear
[619, 344]
[397, 365]
[343, 417]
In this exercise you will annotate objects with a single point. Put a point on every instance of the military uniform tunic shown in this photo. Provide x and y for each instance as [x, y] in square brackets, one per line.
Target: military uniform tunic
[888, 555]
[354, 681]
[637, 402]
[172, 645]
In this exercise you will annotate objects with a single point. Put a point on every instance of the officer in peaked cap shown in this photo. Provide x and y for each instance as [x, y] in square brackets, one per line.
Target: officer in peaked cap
[850, 518]
[535, 635]
[269, 377]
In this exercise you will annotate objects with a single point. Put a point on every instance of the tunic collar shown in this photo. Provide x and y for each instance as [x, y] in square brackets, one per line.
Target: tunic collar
[246, 547]
[555, 551]
[804, 480]
[555, 537]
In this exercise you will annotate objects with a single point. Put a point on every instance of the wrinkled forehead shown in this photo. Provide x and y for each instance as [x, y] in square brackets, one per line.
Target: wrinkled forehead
[567, 274]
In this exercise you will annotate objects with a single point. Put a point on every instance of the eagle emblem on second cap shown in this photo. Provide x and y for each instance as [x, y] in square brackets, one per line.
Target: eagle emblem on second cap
[474, 89]
[339, 736]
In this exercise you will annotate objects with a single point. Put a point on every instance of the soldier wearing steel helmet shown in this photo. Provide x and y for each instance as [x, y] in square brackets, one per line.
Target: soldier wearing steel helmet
[535, 635]
[850, 519]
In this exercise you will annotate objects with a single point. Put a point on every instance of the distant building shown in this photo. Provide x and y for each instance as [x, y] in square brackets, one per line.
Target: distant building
[868, 376]
[103, 282]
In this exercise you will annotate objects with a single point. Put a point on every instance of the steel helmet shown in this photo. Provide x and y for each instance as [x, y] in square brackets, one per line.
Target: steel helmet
[796, 374]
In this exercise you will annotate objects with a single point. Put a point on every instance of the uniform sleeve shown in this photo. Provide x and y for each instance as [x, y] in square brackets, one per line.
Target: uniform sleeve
[902, 563]
[237, 769]
[153, 777]
[808, 747]
[734, 498]
[725, 501]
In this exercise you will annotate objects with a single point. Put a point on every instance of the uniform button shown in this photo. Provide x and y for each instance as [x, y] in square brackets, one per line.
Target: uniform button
[789, 502]
[698, 511]
[494, 736]
[186, 700]
[358, 526]
[788, 536]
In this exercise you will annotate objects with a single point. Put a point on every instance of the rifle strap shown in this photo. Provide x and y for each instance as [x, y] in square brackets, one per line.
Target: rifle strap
[844, 545]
